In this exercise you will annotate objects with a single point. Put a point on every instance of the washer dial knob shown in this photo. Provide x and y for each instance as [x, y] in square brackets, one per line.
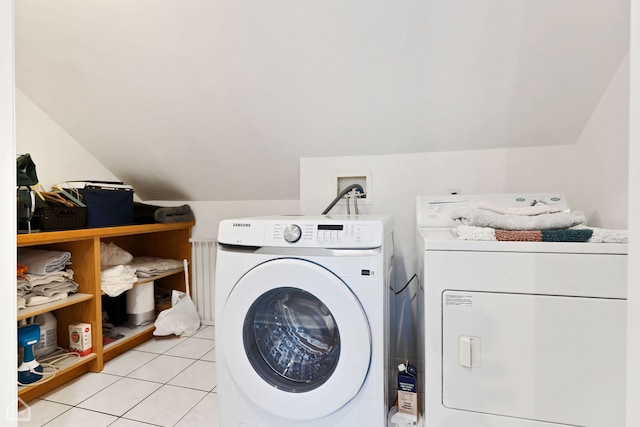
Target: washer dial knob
[292, 233]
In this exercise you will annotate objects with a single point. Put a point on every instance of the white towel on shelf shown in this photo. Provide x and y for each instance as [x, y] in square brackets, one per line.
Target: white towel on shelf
[55, 288]
[147, 266]
[485, 218]
[43, 261]
[23, 286]
[117, 279]
[41, 299]
[57, 276]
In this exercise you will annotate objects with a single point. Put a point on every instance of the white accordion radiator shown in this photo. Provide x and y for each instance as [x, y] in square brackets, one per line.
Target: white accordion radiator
[203, 267]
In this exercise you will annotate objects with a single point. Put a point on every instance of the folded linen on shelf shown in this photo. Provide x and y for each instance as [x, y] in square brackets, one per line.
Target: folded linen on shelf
[35, 289]
[117, 279]
[52, 289]
[32, 300]
[43, 261]
[486, 218]
[23, 286]
[148, 266]
[56, 276]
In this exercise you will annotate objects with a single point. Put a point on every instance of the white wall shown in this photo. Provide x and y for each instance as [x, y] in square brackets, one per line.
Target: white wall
[600, 184]
[8, 389]
[57, 155]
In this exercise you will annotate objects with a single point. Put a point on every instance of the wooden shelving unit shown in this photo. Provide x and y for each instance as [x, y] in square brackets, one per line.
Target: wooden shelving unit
[158, 240]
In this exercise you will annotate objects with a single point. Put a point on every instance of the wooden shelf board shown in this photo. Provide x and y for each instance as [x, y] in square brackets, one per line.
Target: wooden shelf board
[132, 337]
[72, 299]
[45, 237]
[68, 369]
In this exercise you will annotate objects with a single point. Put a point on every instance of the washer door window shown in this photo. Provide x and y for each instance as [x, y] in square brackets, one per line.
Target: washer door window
[296, 339]
[291, 339]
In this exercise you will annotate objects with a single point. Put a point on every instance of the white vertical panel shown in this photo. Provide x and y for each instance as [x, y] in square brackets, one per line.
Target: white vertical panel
[633, 313]
[8, 390]
[203, 267]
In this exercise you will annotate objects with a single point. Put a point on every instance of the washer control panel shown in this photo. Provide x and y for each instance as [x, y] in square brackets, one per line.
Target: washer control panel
[345, 234]
[303, 232]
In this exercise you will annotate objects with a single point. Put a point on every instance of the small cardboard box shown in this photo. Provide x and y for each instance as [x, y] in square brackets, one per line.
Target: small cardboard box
[80, 338]
[407, 393]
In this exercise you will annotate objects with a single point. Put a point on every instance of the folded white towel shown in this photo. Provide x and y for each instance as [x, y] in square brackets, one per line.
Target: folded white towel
[52, 289]
[41, 299]
[23, 285]
[57, 276]
[468, 232]
[147, 266]
[43, 261]
[117, 279]
[485, 218]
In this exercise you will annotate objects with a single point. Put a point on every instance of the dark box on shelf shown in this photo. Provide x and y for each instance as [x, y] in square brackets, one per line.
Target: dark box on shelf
[115, 309]
[107, 206]
[49, 218]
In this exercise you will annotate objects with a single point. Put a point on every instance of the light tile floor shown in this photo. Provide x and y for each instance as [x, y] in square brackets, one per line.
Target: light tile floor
[167, 381]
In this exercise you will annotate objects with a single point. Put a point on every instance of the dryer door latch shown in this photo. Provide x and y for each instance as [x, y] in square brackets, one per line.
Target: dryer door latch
[469, 351]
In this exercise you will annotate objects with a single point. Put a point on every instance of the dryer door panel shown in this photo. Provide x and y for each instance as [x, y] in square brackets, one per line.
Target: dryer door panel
[538, 357]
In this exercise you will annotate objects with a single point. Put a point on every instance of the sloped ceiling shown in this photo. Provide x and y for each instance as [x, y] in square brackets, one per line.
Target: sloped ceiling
[219, 99]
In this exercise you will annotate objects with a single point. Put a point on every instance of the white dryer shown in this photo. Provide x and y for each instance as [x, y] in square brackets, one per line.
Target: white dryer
[519, 334]
[302, 335]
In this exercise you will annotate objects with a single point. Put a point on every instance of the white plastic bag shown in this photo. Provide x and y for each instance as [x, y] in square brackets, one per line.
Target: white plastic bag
[182, 318]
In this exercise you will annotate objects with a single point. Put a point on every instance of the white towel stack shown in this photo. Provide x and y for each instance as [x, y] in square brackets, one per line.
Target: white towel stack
[48, 278]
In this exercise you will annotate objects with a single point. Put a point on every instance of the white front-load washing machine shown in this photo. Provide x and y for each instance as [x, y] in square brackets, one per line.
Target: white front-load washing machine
[302, 331]
[519, 334]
